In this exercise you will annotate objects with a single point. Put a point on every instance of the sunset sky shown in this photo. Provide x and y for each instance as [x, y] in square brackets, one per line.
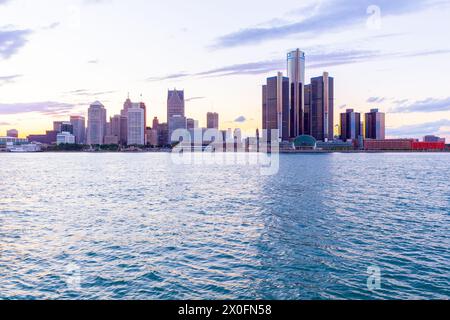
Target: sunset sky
[56, 57]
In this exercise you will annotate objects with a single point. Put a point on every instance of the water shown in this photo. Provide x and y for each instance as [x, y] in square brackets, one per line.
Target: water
[134, 226]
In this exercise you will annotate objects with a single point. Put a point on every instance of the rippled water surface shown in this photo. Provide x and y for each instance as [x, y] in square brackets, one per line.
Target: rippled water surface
[135, 226]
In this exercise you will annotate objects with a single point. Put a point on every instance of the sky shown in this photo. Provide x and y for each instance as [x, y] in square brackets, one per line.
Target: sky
[57, 57]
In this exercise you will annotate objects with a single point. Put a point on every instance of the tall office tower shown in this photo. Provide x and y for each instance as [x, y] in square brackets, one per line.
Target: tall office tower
[175, 104]
[350, 125]
[176, 122]
[191, 124]
[296, 75]
[212, 120]
[123, 139]
[155, 124]
[136, 125]
[117, 127]
[67, 127]
[322, 107]
[276, 106]
[96, 124]
[13, 133]
[163, 134]
[375, 125]
[307, 111]
[57, 126]
[79, 129]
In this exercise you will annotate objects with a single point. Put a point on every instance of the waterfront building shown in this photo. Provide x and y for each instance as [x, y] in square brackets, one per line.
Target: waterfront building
[136, 125]
[375, 124]
[96, 124]
[13, 133]
[48, 138]
[110, 139]
[65, 138]
[79, 129]
[296, 75]
[432, 138]
[388, 145]
[336, 145]
[275, 106]
[350, 128]
[322, 107]
[212, 120]
[4, 141]
[152, 137]
[305, 142]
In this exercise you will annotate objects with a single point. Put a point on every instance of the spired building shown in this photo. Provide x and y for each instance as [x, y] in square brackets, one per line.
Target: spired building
[276, 106]
[136, 125]
[322, 107]
[96, 124]
[296, 75]
[350, 125]
[375, 125]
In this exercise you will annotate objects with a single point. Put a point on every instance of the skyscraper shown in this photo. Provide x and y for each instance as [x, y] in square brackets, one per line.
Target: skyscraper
[307, 111]
[175, 104]
[350, 125]
[175, 111]
[96, 124]
[276, 106]
[322, 107]
[136, 125]
[375, 123]
[155, 124]
[79, 129]
[212, 120]
[296, 75]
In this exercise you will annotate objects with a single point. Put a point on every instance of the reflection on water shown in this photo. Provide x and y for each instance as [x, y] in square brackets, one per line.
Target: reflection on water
[134, 226]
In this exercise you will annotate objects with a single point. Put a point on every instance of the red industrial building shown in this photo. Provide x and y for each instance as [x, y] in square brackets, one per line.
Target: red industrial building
[428, 146]
[389, 144]
[402, 145]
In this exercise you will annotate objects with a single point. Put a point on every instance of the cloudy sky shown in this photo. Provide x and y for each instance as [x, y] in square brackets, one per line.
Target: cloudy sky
[58, 56]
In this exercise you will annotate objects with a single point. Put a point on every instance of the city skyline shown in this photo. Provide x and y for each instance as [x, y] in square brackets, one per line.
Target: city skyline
[225, 64]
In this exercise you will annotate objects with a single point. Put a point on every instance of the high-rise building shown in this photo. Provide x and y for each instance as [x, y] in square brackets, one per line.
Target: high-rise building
[176, 122]
[136, 125]
[191, 124]
[57, 126]
[322, 107]
[163, 134]
[155, 124]
[79, 129]
[175, 104]
[296, 75]
[276, 106]
[350, 125]
[66, 127]
[375, 123]
[13, 133]
[307, 111]
[96, 124]
[212, 120]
